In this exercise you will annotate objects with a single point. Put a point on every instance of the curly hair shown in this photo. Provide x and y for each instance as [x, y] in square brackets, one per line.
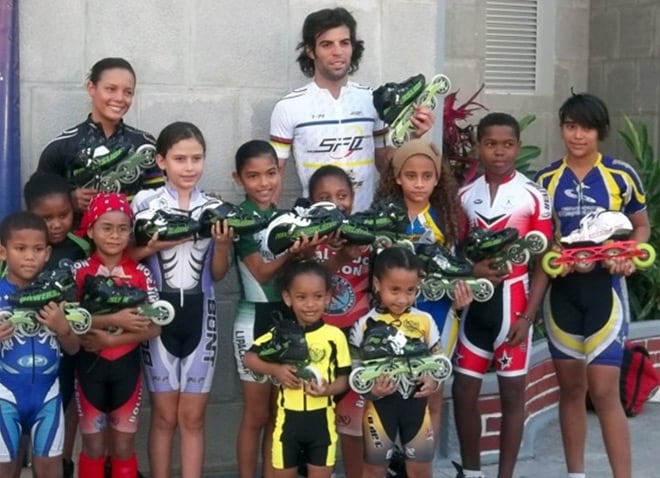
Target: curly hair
[444, 200]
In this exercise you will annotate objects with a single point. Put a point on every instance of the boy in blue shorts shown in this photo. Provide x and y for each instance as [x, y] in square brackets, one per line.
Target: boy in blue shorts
[30, 398]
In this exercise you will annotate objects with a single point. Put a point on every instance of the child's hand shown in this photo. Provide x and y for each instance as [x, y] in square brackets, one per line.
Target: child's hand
[518, 332]
[286, 374]
[154, 245]
[317, 390]
[223, 235]
[462, 295]
[621, 266]
[96, 340]
[305, 246]
[352, 252]
[422, 119]
[81, 198]
[485, 269]
[383, 386]
[130, 320]
[6, 329]
[52, 316]
[428, 386]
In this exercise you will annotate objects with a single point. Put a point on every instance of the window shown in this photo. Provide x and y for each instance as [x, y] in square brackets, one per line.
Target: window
[512, 41]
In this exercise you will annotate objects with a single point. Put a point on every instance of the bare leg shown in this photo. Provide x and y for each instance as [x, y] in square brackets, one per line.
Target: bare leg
[352, 452]
[256, 412]
[465, 393]
[192, 410]
[512, 398]
[161, 432]
[435, 412]
[571, 375]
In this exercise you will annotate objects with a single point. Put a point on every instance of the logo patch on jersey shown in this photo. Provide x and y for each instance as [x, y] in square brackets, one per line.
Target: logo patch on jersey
[489, 221]
[578, 193]
[346, 143]
[316, 354]
[343, 296]
[32, 361]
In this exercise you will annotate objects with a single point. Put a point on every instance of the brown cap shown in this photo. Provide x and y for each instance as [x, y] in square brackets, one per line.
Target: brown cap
[412, 148]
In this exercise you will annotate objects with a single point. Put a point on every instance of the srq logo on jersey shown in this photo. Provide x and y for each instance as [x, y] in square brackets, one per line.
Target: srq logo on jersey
[346, 144]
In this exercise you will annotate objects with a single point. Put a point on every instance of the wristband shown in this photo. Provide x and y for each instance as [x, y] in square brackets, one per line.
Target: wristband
[526, 317]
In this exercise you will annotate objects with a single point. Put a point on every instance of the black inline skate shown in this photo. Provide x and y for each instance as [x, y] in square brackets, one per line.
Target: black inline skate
[241, 221]
[503, 245]
[386, 220]
[288, 346]
[287, 227]
[386, 350]
[89, 165]
[444, 270]
[106, 295]
[49, 286]
[170, 224]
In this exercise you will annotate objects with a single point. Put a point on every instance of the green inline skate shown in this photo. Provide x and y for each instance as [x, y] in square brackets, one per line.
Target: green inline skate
[170, 224]
[49, 286]
[128, 170]
[386, 223]
[386, 350]
[503, 245]
[90, 165]
[106, 295]
[395, 103]
[444, 270]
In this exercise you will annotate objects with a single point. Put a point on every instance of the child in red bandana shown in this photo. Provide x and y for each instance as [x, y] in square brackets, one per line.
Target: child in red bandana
[108, 381]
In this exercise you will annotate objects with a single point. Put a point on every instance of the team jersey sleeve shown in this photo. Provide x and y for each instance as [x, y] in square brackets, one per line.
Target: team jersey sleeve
[343, 354]
[52, 160]
[541, 216]
[634, 197]
[247, 245]
[432, 336]
[260, 341]
[281, 130]
[145, 281]
[356, 335]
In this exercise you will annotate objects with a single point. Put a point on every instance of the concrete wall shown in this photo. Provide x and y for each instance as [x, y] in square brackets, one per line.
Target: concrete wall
[564, 54]
[624, 64]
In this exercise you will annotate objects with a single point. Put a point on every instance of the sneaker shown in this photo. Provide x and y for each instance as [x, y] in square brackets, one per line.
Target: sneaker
[170, 224]
[241, 221]
[391, 98]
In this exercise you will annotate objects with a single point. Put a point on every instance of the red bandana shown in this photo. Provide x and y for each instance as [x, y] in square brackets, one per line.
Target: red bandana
[99, 205]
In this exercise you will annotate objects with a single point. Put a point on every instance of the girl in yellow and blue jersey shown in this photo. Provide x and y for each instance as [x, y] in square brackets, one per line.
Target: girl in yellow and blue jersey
[587, 314]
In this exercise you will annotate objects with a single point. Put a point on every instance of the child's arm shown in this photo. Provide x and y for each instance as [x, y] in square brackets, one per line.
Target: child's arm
[128, 319]
[154, 246]
[223, 236]
[96, 340]
[52, 316]
[325, 389]
[284, 373]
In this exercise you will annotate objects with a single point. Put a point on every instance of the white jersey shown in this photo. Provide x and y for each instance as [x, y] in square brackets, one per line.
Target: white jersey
[322, 130]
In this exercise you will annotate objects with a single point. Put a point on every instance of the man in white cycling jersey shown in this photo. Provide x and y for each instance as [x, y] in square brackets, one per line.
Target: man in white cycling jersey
[332, 120]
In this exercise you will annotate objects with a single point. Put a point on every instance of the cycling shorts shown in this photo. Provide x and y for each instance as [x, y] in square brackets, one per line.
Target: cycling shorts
[348, 414]
[309, 434]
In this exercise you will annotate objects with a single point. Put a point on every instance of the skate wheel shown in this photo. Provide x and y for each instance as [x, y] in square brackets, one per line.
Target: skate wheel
[613, 252]
[114, 330]
[83, 325]
[148, 155]
[310, 373]
[108, 185]
[431, 290]
[127, 173]
[444, 369]
[536, 242]
[582, 262]
[259, 378]
[483, 291]
[519, 255]
[406, 244]
[358, 384]
[647, 258]
[165, 313]
[5, 315]
[443, 82]
[452, 287]
[382, 242]
[274, 380]
[550, 265]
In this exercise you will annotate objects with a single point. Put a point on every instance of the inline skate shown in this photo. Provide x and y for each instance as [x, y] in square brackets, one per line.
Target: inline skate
[395, 103]
[503, 245]
[106, 295]
[49, 286]
[386, 350]
[287, 227]
[444, 270]
[241, 221]
[288, 346]
[128, 170]
[89, 165]
[601, 236]
[386, 221]
[170, 224]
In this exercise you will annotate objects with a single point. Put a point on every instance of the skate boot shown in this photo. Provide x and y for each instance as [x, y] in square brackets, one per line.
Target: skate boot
[107, 295]
[128, 170]
[395, 100]
[49, 286]
[391, 99]
[386, 220]
[444, 270]
[601, 237]
[288, 346]
[241, 221]
[287, 227]
[504, 245]
[89, 165]
[170, 224]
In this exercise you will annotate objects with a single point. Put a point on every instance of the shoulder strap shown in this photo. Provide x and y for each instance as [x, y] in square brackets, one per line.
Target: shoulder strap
[82, 243]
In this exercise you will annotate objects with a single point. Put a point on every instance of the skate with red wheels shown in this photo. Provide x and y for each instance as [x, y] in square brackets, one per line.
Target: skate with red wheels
[602, 237]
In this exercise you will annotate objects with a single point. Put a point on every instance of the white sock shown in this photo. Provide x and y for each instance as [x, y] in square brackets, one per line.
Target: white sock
[473, 473]
[576, 475]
